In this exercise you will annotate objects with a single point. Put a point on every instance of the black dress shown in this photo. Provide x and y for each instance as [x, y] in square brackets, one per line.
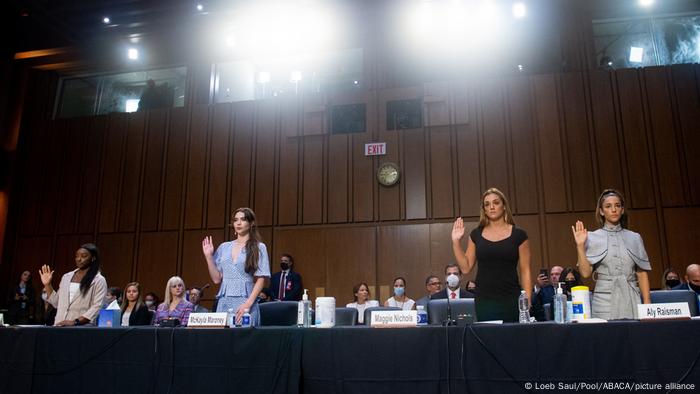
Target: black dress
[499, 287]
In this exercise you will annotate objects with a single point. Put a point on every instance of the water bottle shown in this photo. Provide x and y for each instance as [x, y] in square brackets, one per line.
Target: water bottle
[560, 306]
[304, 311]
[245, 320]
[523, 307]
[422, 315]
[231, 318]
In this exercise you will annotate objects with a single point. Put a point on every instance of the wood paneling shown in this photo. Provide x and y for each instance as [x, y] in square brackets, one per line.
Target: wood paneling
[117, 255]
[196, 167]
[218, 167]
[265, 153]
[414, 180]
[343, 269]
[153, 169]
[338, 162]
[288, 167]
[644, 222]
[441, 175]
[194, 267]
[312, 184]
[243, 118]
[174, 170]
[111, 172]
[71, 179]
[92, 166]
[522, 135]
[160, 247]
[131, 173]
[404, 251]
[607, 144]
[493, 134]
[686, 80]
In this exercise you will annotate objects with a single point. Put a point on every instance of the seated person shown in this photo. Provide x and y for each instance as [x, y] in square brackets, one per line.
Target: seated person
[151, 300]
[361, 303]
[113, 294]
[134, 311]
[175, 305]
[265, 295]
[570, 278]
[670, 279]
[400, 299]
[453, 277]
[432, 286]
[196, 294]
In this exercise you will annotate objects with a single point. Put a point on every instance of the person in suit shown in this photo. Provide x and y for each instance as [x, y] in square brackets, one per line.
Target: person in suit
[134, 311]
[21, 301]
[81, 291]
[692, 279]
[432, 286]
[544, 291]
[453, 277]
[286, 285]
[196, 294]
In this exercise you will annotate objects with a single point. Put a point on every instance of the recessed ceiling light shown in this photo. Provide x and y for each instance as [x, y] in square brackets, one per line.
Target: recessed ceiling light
[106, 20]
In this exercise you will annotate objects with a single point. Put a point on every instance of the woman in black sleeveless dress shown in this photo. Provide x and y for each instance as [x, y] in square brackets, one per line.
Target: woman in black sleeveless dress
[503, 253]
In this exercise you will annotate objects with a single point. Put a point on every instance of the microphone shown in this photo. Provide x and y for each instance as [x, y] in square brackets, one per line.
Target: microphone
[448, 321]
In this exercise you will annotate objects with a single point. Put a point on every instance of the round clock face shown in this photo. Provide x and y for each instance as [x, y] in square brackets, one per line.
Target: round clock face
[388, 174]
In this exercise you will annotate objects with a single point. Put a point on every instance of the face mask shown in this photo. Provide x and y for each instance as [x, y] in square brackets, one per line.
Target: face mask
[452, 281]
[284, 266]
[149, 303]
[44, 296]
[569, 284]
[693, 287]
[672, 282]
[398, 291]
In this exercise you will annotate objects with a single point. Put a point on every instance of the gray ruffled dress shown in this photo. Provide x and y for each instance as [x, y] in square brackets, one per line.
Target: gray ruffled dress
[615, 254]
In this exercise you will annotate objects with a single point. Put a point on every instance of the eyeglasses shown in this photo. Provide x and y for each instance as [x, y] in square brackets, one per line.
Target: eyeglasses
[434, 284]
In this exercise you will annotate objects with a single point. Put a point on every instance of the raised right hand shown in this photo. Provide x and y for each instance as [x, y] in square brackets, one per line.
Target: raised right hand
[458, 230]
[207, 247]
[580, 233]
[46, 275]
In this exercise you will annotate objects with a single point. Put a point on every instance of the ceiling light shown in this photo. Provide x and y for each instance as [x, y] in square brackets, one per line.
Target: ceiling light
[133, 53]
[106, 20]
[519, 10]
[646, 3]
[200, 7]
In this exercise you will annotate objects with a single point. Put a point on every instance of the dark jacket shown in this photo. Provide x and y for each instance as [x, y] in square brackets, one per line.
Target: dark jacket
[293, 287]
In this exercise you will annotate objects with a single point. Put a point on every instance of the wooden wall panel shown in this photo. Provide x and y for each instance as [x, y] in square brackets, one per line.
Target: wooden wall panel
[111, 172]
[644, 222]
[363, 180]
[196, 167]
[338, 162]
[343, 269]
[531, 225]
[404, 250]
[288, 166]
[117, 255]
[607, 143]
[153, 169]
[218, 166]
[35, 148]
[312, 183]
[241, 181]
[578, 147]
[471, 186]
[666, 144]
[636, 148]
[441, 250]
[131, 177]
[174, 176]
[550, 144]
[494, 154]
[264, 179]
[525, 197]
[682, 234]
[157, 260]
[31, 254]
[194, 268]
[687, 88]
[441, 174]
[309, 251]
[92, 163]
[52, 180]
[63, 260]
[71, 177]
[561, 248]
[414, 179]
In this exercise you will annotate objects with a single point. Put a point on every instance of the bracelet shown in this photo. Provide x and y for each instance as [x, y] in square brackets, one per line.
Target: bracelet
[77, 322]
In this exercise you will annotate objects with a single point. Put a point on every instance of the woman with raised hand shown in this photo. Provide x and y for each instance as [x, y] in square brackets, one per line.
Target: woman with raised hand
[81, 291]
[502, 252]
[617, 256]
[241, 266]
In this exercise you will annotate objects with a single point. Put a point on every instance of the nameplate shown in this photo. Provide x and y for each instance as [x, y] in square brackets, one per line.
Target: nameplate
[669, 310]
[394, 319]
[207, 320]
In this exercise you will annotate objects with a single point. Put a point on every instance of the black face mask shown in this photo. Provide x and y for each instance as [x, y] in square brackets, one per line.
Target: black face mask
[693, 287]
[284, 266]
[569, 284]
[671, 283]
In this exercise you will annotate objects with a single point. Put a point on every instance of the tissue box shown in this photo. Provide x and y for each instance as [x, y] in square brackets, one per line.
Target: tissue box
[110, 318]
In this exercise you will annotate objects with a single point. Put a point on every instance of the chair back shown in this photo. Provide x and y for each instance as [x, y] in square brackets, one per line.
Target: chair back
[461, 308]
[368, 311]
[662, 296]
[278, 313]
[345, 316]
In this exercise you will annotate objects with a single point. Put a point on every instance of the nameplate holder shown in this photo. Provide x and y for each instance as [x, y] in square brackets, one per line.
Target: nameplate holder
[664, 311]
[207, 320]
[393, 319]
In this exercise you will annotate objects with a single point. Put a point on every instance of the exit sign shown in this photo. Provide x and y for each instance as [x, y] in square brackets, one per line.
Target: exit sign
[375, 149]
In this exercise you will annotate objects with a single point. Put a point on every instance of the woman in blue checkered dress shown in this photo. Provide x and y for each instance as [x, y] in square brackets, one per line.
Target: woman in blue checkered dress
[241, 267]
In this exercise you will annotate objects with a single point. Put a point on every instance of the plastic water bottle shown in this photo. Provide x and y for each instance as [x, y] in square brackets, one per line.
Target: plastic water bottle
[231, 318]
[560, 306]
[523, 307]
[245, 320]
[304, 311]
[422, 315]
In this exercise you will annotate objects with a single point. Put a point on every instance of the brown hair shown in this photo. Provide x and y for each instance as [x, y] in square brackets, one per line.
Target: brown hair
[356, 288]
[483, 219]
[251, 247]
[605, 194]
[139, 299]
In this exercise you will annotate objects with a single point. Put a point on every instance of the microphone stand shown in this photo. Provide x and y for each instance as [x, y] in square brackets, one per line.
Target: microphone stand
[448, 321]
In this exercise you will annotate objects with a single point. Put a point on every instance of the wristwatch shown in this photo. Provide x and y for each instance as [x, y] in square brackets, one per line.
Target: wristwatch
[77, 322]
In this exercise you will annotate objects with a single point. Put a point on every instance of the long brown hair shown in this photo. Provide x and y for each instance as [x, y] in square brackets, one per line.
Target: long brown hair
[252, 249]
[605, 194]
[139, 300]
[483, 219]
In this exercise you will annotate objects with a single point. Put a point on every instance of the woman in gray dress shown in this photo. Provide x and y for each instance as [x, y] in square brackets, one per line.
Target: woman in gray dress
[241, 266]
[617, 256]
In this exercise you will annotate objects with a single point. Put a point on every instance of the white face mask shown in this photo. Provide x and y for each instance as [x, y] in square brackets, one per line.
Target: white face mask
[149, 303]
[452, 281]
